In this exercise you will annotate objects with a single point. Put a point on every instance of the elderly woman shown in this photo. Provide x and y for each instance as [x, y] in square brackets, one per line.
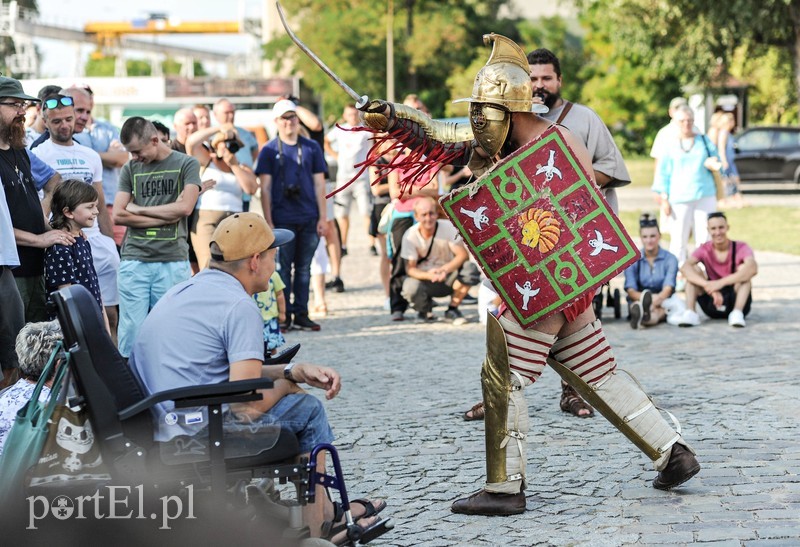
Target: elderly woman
[35, 344]
[685, 184]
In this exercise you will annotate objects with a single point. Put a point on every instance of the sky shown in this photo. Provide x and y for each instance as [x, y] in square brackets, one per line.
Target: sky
[59, 58]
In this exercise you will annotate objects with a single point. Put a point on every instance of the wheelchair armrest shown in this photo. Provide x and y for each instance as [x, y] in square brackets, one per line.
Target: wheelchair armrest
[224, 392]
[283, 357]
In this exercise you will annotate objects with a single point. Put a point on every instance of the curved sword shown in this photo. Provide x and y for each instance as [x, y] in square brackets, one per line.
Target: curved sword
[361, 100]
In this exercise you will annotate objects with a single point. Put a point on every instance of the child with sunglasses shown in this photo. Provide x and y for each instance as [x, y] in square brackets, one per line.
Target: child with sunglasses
[74, 207]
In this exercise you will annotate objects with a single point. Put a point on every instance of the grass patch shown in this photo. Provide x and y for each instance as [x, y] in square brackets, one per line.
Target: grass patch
[641, 171]
[763, 228]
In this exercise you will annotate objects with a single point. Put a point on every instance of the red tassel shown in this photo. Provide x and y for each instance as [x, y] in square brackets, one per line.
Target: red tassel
[421, 163]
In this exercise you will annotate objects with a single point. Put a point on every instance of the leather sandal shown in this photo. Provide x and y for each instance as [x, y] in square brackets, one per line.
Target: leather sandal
[477, 412]
[573, 403]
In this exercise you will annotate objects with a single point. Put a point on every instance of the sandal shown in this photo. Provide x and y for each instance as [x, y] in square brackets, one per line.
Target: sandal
[331, 528]
[475, 413]
[318, 312]
[573, 403]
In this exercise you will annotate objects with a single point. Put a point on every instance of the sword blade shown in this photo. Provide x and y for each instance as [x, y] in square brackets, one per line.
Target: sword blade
[360, 99]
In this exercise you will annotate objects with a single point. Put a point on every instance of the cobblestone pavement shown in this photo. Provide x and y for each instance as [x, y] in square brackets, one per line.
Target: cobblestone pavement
[405, 385]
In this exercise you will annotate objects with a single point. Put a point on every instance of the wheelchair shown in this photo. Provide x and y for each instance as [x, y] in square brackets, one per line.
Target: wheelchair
[236, 476]
[612, 299]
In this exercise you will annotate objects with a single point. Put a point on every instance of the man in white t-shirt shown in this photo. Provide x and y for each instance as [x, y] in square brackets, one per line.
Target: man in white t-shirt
[436, 263]
[350, 148]
[75, 161]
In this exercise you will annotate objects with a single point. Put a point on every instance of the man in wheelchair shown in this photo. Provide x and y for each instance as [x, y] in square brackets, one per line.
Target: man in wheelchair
[208, 330]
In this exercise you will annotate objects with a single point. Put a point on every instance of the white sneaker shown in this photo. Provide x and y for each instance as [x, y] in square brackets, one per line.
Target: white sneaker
[736, 318]
[387, 304]
[688, 318]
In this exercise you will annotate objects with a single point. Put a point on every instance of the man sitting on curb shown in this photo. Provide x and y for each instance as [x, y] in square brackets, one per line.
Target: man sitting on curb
[436, 263]
[724, 290]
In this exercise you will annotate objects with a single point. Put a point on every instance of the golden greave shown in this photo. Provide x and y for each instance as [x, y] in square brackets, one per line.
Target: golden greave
[585, 361]
[505, 407]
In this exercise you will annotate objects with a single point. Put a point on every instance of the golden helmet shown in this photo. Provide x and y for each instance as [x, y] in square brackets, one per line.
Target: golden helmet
[502, 86]
[505, 79]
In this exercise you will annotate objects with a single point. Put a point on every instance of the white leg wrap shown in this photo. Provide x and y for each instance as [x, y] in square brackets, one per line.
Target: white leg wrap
[617, 396]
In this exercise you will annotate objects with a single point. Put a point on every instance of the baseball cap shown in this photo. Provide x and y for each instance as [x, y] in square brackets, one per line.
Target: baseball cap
[244, 234]
[9, 87]
[282, 107]
[677, 101]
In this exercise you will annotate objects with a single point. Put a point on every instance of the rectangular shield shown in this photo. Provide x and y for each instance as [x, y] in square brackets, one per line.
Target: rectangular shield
[540, 229]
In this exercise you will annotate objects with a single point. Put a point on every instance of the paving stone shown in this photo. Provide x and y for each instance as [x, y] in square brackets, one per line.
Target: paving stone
[405, 386]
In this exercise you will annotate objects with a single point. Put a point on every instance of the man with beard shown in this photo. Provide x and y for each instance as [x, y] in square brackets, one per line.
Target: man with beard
[27, 218]
[75, 161]
[607, 165]
[30, 231]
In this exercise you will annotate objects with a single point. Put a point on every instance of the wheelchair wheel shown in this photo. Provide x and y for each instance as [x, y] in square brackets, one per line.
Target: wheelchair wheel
[617, 304]
[597, 303]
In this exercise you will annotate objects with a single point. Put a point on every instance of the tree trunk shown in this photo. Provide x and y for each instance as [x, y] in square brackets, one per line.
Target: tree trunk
[413, 79]
[794, 46]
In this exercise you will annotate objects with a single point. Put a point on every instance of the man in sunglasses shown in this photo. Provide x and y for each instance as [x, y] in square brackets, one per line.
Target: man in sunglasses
[76, 161]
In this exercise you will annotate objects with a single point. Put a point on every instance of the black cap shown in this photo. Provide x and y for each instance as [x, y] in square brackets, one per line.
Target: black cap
[9, 87]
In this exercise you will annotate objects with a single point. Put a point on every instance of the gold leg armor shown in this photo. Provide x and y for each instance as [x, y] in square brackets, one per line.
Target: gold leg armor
[585, 361]
[506, 411]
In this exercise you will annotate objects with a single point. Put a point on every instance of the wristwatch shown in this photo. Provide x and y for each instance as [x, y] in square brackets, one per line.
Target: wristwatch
[287, 372]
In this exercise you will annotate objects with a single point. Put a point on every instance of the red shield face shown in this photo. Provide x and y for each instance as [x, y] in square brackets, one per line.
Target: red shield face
[540, 229]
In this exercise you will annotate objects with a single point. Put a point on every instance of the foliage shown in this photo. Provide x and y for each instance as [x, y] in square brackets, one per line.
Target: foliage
[768, 69]
[433, 40]
[555, 34]
[688, 39]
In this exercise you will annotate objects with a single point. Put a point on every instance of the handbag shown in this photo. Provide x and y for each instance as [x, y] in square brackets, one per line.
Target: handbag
[70, 460]
[715, 166]
[27, 435]
[386, 216]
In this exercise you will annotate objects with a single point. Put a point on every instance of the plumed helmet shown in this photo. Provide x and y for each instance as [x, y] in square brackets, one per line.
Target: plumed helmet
[505, 80]
[501, 87]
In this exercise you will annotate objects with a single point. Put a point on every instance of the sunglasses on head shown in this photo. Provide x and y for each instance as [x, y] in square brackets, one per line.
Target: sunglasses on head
[646, 221]
[54, 102]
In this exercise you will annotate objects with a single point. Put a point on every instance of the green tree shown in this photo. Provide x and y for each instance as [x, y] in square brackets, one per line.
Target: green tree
[691, 37]
[432, 41]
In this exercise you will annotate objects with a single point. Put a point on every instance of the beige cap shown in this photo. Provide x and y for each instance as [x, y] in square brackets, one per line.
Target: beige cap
[244, 234]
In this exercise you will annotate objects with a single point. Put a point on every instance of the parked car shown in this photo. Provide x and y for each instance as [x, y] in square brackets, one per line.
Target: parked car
[769, 154]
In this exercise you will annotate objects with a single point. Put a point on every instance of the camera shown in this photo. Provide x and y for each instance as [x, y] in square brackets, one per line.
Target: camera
[233, 145]
[291, 192]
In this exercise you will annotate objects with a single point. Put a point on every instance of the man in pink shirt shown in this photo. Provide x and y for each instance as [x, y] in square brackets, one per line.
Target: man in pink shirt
[723, 290]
